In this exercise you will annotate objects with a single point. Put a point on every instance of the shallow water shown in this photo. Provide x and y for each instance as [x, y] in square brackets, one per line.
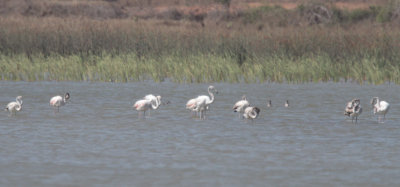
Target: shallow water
[97, 138]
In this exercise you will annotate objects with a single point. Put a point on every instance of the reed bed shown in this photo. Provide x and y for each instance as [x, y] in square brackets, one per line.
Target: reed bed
[34, 49]
[196, 68]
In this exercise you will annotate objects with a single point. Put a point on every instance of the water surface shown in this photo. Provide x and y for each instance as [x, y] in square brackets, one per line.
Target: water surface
[97, 138]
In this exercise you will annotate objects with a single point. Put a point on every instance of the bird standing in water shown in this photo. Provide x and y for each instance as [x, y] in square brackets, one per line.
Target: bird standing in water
[241, 105]
[58, 101]
[380, 108]
[353, 109]
[15, 106]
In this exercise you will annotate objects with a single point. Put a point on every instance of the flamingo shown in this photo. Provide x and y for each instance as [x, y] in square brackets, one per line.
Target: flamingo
[353, 109]
[152, 98]
[269, 104]
[14, 106]
[144, 105]
[380, 108]
[287, 103]
[202, 102]
[58, 101]
[251, 112]
[241, 105]
[191, 105]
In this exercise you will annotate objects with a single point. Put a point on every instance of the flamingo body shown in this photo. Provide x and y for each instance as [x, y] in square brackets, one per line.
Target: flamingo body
[14, 106]
[353, 109]
[380, 108]
[145, 104]
[251, 112]
[241, 105]
[152, 98]
[142, 105]
[202, 102]
[58, 101]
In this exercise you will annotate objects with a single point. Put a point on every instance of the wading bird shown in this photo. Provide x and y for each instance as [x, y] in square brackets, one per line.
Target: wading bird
[241, 105]
[14, 106]
[155, 99]
[287, 103]
[251, 112]
[353, 109]
[58, 101]
[143, 105]
[202, 102]
[269, 104]
[380, 108]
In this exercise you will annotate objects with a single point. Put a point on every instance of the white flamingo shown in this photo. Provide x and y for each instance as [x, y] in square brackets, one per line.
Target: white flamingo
[58, 101]
[14, 106]
[380, 108]
[251, 112]
[144, 105]
[241, 105]
[353, 109]
[202, 102]
[269, 104]
[152, 98]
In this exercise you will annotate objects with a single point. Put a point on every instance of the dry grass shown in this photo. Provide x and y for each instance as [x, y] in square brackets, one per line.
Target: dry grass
[263, 43]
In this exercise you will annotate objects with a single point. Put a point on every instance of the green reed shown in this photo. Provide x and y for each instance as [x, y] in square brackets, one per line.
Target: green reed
[196, 68]
[123, 50]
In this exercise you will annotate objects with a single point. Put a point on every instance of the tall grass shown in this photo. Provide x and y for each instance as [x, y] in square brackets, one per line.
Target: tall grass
[130, 50]
[196, 68]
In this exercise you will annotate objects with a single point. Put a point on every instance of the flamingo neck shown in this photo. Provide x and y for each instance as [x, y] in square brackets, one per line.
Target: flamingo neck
[378, 103]
[19, 101]
[211, 96]
[156, 105]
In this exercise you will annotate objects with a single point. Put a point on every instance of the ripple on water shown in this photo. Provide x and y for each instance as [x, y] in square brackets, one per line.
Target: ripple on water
[98, 139]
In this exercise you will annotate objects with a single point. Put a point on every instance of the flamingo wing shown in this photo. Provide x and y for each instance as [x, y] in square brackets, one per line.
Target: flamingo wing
[55, 101]
[191, 104]
[141, 104]
[11, 106]
[240, 105]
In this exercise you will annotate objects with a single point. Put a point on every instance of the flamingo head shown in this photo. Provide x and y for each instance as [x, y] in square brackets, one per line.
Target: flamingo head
[211, 88]
[374, 101]
[257, 110]
[356, 102]
[67, 96]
